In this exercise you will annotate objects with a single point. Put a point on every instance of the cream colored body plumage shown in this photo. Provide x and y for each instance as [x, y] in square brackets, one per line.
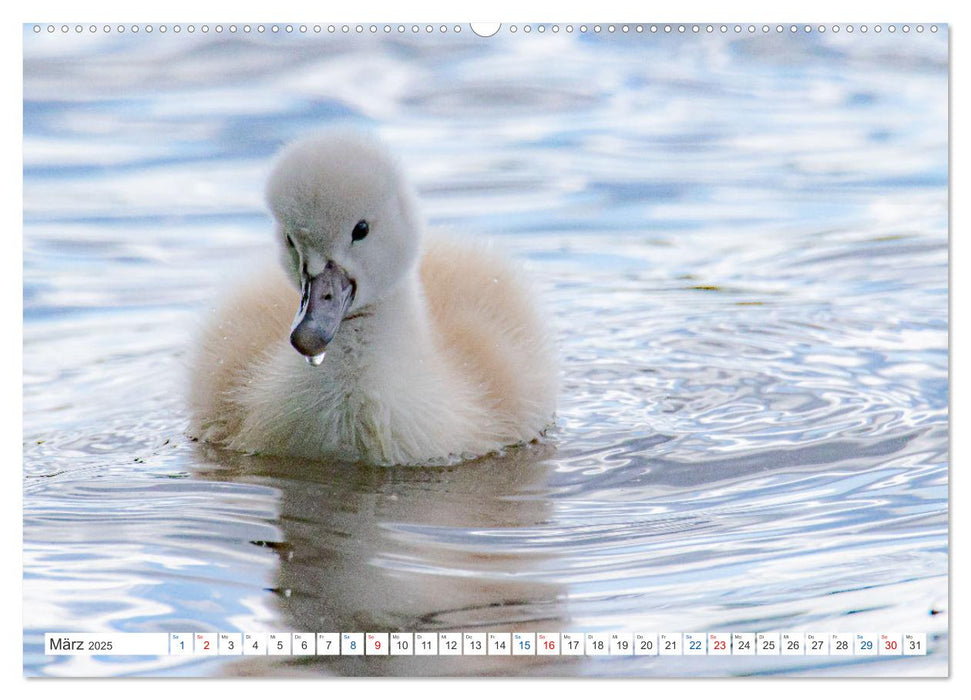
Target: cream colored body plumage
[430, 349]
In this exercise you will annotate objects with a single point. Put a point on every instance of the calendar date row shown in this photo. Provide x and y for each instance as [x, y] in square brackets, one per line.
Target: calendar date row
[489, 644]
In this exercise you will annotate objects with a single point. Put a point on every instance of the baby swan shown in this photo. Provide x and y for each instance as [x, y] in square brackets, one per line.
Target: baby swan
[404, 350]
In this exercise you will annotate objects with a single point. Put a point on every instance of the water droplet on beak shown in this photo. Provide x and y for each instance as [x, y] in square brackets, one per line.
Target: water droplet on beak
[315, 360]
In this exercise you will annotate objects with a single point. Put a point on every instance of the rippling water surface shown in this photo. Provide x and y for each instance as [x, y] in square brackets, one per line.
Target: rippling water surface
[741, 240]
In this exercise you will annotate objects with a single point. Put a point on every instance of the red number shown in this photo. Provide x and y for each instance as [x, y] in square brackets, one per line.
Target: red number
[377, 644]
[891, 644]
[205, 645]
[720, 645]
[550, 645]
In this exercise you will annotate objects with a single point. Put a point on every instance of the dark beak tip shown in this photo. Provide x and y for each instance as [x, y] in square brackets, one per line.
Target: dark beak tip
[307, 342]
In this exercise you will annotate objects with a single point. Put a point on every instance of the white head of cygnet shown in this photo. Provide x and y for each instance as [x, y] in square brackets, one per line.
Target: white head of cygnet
[347, 227]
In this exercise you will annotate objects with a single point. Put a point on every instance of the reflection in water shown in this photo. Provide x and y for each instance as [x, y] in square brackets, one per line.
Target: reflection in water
[377, 549]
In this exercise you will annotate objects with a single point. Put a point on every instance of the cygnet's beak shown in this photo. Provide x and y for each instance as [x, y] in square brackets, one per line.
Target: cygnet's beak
[325, 299]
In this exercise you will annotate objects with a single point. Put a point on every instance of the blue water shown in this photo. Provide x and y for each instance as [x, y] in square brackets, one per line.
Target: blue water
[741, 239]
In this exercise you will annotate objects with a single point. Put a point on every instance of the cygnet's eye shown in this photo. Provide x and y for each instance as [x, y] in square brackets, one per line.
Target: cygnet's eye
[361, 230]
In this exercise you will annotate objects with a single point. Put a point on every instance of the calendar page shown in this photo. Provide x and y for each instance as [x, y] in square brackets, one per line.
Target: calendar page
[591, 349]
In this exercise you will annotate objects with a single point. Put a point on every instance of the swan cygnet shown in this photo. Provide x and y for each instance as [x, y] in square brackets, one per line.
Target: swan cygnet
[405, 349]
